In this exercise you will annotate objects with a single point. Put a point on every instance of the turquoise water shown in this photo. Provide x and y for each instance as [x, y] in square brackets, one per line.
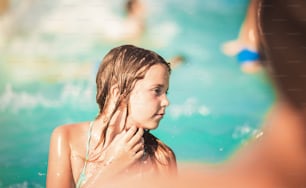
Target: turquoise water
[47, 79]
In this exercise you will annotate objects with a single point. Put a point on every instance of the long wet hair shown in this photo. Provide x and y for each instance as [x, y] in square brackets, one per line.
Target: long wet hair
[124, 66]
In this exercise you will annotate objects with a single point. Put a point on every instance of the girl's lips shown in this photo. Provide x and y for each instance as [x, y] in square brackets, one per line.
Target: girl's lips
[160, 115]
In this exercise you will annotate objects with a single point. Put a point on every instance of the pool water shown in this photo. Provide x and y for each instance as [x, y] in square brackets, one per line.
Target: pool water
[48, 79]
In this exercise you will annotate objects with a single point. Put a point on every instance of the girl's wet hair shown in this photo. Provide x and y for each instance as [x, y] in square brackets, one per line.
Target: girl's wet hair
[123, 66]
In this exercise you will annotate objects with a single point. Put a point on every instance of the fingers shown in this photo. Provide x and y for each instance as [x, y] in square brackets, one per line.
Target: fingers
[137, 138]
[130, 133]
[135, 142]
[139, 154]
[138, 147]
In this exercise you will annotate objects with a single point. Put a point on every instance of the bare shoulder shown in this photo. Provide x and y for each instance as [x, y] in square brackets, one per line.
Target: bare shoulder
[68, 132]
[162, 151]
[167, 158]
[62, 146]
[66, 128]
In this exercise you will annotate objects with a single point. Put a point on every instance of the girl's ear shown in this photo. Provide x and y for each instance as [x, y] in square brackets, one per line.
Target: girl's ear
[114, 91]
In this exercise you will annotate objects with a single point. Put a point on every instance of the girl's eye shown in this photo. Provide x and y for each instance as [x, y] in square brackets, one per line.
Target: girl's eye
[157, 91]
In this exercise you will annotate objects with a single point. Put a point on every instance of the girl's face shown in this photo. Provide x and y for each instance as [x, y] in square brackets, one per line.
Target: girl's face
[148, 99]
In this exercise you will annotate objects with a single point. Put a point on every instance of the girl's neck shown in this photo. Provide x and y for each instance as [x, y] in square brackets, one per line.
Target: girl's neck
[111, 125]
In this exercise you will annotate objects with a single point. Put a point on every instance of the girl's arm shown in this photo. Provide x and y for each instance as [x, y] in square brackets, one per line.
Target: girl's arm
[59, 164]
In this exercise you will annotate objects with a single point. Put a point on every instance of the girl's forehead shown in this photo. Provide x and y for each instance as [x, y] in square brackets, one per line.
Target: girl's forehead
[158, 70]
[156, 75]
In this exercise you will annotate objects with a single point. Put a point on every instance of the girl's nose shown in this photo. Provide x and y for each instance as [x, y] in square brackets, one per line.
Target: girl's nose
[165, 102]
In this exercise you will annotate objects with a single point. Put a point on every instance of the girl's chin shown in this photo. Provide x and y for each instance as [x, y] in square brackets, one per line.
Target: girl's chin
[151, 125]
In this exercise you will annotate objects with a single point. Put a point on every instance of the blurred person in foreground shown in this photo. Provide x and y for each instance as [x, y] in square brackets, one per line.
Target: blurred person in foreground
[278, 158]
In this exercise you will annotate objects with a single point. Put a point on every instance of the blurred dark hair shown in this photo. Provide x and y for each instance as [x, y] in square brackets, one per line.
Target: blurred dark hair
[282, 31]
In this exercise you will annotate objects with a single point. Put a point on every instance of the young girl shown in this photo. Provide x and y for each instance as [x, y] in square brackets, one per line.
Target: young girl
[132, 84]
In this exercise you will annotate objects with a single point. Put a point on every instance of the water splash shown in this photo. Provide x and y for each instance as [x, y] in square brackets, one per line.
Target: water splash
[15, 101]
[190, 107]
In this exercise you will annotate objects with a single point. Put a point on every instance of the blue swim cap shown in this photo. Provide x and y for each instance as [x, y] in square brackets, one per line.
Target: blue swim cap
[246, 55]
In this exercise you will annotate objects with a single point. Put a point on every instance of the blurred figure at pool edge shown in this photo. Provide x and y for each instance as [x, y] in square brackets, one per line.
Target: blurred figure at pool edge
[132, 84]
[135, 17]
[25, 17]
[4, 5]
[132, 27]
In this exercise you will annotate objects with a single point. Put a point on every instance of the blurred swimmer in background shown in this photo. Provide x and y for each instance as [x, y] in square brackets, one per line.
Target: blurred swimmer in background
[246, 46]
